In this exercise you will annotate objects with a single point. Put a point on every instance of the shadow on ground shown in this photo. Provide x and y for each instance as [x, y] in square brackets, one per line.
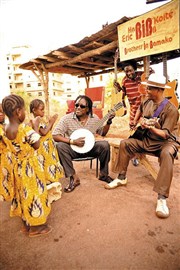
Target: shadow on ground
[94, 228]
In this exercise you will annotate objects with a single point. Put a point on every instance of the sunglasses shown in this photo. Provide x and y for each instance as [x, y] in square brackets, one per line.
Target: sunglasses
[80, 105]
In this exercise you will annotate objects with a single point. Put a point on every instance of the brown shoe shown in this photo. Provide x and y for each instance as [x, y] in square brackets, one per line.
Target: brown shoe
[105, 178]
[72, 185]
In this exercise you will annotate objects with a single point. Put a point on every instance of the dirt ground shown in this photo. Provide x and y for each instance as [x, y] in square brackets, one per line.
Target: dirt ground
[95, 228]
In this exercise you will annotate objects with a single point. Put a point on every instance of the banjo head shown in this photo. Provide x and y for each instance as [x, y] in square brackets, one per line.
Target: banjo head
[89, 140]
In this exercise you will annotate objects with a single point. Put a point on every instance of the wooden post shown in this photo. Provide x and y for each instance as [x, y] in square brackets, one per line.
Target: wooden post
[87, 78]
[43, 77]
[146, 61]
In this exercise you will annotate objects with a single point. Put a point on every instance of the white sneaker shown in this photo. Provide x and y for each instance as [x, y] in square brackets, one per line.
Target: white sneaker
[116, 183]
[162, 210]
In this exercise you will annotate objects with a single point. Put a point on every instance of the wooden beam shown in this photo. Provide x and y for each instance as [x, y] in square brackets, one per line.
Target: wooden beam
[61, 54]
[104, 71]
[83, 67]
[50, 59]
[95, 63]
[75, 49]
[94, 44]
[91, 53]
[103, 58]
[36, 61]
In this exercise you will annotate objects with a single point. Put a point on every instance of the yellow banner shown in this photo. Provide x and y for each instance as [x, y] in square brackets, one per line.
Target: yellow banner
[154, 32]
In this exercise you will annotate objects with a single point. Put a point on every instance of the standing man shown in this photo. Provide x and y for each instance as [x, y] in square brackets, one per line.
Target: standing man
[130, 84]
[158, 140]
[130, 88]
[81, 118]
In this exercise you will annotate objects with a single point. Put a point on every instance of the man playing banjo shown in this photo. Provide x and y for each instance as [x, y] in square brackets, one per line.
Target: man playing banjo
[74, 135]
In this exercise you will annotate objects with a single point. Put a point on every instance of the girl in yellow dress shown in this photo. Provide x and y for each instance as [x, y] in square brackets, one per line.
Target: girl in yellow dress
[6, 164]
[47, 152]
[30, 196]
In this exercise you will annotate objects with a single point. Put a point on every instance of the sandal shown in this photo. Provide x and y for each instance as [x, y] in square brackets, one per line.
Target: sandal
[25, 228]
[41, 230]
[72, 185]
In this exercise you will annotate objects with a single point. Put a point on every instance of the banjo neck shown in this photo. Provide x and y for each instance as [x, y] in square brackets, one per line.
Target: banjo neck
[105, 118]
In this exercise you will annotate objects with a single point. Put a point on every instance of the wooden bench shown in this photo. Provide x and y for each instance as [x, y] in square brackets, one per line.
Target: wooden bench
[114, 143]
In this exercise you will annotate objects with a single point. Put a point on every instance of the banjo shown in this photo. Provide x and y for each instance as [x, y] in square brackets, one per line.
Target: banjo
[88, 135]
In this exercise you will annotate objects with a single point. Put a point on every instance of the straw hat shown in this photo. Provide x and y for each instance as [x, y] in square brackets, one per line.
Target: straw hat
[156, 80]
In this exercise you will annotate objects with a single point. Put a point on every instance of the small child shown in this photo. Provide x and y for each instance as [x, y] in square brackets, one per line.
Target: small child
[2, 116]
[47, 152]
[6, 161]
[30, 197]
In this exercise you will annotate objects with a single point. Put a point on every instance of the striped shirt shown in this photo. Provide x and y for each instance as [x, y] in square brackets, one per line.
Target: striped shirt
[130, 87]
[69, 123]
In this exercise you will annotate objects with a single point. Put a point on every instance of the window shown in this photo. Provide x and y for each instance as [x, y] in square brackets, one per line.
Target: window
[39, 94]
[39, 84]
[29, 94]
[28, 85]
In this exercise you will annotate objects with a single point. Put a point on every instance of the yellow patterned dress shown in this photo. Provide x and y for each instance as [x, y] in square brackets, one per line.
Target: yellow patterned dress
[30, 201]
[48, 157]
[6, 169]
[49, 160]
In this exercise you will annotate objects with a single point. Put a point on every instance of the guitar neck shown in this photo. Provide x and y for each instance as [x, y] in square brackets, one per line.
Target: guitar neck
[115, 67]
[105, 118]
[165, 66]
[115, 63]
[115, 70]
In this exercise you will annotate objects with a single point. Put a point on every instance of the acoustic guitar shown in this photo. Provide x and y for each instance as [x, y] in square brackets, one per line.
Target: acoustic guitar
[139, 132]
[170, 93]
[88, 135]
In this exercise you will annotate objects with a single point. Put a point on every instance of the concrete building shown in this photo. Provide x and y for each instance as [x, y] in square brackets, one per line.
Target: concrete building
[61, 86]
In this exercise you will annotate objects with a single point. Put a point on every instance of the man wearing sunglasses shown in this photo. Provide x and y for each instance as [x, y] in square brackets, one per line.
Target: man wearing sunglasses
[82, 118]
[159, 140]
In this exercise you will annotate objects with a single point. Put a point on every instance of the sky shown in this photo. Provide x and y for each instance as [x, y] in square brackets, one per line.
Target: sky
[50, 24]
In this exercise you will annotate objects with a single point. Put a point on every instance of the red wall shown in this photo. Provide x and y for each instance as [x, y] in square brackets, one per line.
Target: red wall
[97, 96]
